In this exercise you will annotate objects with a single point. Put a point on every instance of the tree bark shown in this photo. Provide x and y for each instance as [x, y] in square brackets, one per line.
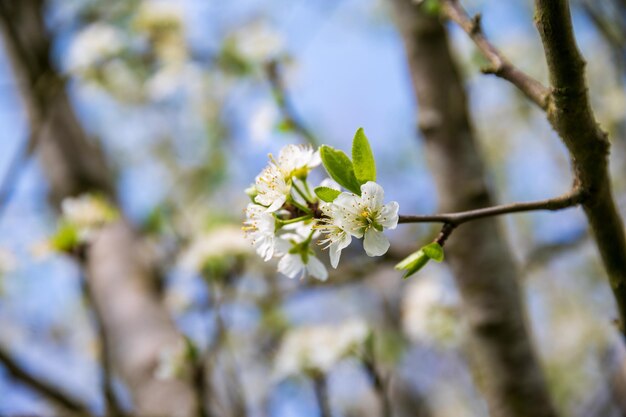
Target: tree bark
[570, 114]
[121, 279]
[506, 366]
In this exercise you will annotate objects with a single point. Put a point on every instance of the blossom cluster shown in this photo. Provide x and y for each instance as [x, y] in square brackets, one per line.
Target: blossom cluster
[317, 348]
[287, 216]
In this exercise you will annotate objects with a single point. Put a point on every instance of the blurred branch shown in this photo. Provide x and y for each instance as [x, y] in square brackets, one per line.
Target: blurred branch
[543, 253]
[290, 116]
[569, 111]
[571, 115]
[119, 267]
[499, 65]
[320, 386]
[380, 384]
[511, 379]
[11, 177]
[112, 408]
[45, 389]
[614, 35]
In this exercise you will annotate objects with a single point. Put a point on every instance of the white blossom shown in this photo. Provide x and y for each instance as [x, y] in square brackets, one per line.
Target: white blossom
[258, 43]
[300, 265]
[260, 227]
[272, 188]
[430, 310]
[366, 216]
[298, 160]
[87, 213]
[263, 121]
[155, 15]
[336, 237]
[273, 185]
[300, 260]
[215, 244]
[173, 361]
[318, 347]
[94, 44]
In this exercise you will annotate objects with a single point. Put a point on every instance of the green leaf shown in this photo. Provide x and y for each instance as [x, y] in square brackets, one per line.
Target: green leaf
[432, 7]
[327, 194]
[340, 168]
[65, 239]
[434, 251]
[363, 158]
[413, 263]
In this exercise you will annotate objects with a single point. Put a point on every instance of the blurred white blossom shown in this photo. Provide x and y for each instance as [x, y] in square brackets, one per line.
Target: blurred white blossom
[94, 45]
[258, 43]
[263, 121]
[158, 15]
[174, 361]
[430, 310]
[214, 244]
[319, 347]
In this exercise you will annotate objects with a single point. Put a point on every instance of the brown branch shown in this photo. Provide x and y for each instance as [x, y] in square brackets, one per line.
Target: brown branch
[112, 407]
[498, 64]
[45, 389]
[290, 116]
[572, 117]
[320, 387]
[569, 111]
[505, 365]
[568, 200]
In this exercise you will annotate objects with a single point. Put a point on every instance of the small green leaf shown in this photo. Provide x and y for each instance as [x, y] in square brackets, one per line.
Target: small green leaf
[434, 251]
[363, 158]
[340, 168]
[413, 263]
[327, 194]
[65, 239]
[432, 7]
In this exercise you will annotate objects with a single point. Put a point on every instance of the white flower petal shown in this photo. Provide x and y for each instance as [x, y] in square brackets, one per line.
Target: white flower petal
[372, 195]
[291, 265]
[316, 268]
[388, 216]
[336, 248]
[375, 243]
[276, 204]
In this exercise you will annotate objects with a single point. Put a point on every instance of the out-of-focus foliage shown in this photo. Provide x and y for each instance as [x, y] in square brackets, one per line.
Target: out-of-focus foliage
[178, 94]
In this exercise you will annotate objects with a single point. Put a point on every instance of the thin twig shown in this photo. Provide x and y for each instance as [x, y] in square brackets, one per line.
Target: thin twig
[498, 64]
[290, 116]
[45, 389]
[568, 200]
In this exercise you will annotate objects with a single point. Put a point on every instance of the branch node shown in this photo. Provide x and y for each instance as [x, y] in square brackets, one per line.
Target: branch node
[475, 26]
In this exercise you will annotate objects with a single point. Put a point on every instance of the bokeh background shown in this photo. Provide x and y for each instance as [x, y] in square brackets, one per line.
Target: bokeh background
[178, 95]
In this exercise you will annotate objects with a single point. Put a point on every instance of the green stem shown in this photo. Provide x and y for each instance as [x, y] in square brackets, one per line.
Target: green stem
[302, 193]
[296, 220]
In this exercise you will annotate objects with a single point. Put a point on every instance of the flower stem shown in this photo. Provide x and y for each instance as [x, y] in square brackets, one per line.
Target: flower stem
[296, 220]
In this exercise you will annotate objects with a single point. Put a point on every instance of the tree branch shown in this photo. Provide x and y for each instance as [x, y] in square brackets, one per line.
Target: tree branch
[45, 389]
[290, 116]
[572, 117]
[569, 111]
[499, 65]
[504, 362]
[571, 199]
